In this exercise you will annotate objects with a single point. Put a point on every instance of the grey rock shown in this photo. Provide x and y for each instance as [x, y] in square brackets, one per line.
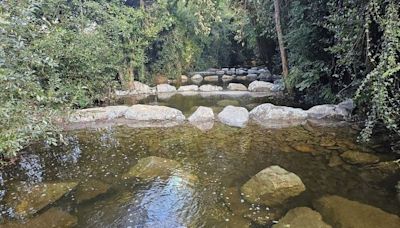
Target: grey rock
[165, 88]
[271, 116]
[154, 113]
[234, 116]
[197, 78]
[252, 77]
[227, 78]
[327, 111]
[210, 88]
[202, 118]
[237, 87]
[188, 88]
[260, 86]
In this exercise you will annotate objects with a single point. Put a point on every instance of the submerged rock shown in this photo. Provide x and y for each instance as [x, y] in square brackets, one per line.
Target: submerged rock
[152, 167]
[90, 189]
[53, 217]
[196, 79]
[210, 88]
[202, 118]
[234, 116]
[227, 102]
[188, 88]
[341, 212]
[154, 113]
[359, 158]
[237, 87]
[27, 200]
[269, 115]
[272, 186]
[304, 148]
[166, 88]
[301, 217]
[260, 86]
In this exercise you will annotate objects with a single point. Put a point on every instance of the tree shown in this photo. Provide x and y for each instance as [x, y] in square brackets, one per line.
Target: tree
[285, 67]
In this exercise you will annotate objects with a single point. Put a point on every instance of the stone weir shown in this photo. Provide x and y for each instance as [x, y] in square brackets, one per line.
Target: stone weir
[233, 74]
[266, 115]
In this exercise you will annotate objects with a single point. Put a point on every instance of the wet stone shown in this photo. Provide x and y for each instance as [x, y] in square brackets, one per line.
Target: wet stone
[262, 217]
[90, 189]
[272, 186]
[29, 200]
[335, 160]
[304, 148]
[227, 102]
[359, 158]
[53, 217]
[235, 202]
[152, 167]
[341, 212]
[301, 217]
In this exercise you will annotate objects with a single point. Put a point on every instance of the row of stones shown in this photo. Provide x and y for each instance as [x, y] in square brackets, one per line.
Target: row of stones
[267, 115]
[256, 86]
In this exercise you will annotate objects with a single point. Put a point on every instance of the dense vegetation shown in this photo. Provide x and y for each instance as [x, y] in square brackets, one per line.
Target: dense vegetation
[56, 54]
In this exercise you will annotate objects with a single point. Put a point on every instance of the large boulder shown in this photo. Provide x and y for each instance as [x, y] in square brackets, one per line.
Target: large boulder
[234, 116]
[344, 213]
[184, 78]
[260, 86]
[27, 200]
[154, 113]
[327, 111]
[90, 189]
[271, 116]
[272, 186]
[141, 88]
[301, 217]
[97, 114]
[152, 167]
[54, 217]
[359, 158]
[202, 118]
[211, 78]
[237, 87]
[210, 88]
[165, 88]
[187, 88]
[196, 79]
[347, 105]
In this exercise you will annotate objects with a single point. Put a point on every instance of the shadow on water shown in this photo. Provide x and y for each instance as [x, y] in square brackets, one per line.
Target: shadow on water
[222, 158]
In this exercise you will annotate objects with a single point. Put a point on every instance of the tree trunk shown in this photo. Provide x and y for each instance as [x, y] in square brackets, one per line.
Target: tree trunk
[285, 69]
[141, 3]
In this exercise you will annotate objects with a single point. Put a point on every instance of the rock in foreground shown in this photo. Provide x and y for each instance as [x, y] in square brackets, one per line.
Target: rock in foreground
[301, 217]
[234, 116]
[272, 186]
[29, 200]
[344, 213]
[187, 88]
[271, 116]
[53, 217]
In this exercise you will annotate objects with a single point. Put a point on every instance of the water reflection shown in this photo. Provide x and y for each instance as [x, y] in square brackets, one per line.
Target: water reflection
[32, 168]
[161, 203]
